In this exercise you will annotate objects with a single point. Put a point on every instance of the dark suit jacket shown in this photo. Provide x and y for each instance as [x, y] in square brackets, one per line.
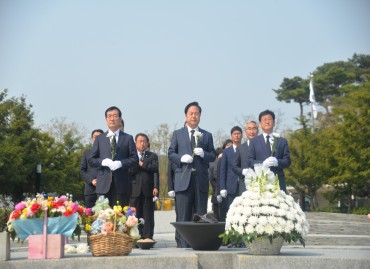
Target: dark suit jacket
[87, 173]
[171, 175]
[143, 178]
[180, 145]
[241, 159]
[125, 152]
[257, 153]
[228, 179]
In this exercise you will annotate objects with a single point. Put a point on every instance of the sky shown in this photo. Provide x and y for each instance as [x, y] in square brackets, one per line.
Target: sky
[74, 59]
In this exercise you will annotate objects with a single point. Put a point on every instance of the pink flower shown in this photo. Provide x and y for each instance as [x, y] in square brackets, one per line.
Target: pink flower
[108, 226]
[74, 207]
[63, 198]
[88, 211]
[20, 206]
[131, 221]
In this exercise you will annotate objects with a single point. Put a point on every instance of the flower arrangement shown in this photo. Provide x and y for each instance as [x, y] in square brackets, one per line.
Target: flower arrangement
[264, 211]
[118, 219]
[37, 207]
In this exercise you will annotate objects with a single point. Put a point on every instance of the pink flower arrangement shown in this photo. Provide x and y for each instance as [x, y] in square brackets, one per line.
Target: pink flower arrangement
[37, 207]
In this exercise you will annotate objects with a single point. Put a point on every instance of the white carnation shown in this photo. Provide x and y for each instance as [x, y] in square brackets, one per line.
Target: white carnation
[240, 229]
[253, 220]
[269, 229]
[262, 220]
[260, 229]
[249, 229]
[256, 210]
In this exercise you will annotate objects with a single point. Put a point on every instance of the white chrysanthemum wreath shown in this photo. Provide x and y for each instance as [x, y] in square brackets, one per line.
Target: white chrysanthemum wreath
[264, 211]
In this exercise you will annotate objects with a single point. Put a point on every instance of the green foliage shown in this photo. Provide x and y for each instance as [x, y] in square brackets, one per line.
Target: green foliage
[363, 210]
[337, 152]
[22, 147]
[329, 209]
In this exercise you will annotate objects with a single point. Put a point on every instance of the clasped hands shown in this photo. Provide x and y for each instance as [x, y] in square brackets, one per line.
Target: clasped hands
[113, 165]
[270, 161]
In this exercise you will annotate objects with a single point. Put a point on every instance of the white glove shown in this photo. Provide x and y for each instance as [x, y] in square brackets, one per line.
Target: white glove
[245, 172]
[115, 165]
[223, 193]
[219, 198]
[270, 161]
[171, 193]
[186, 159]
[107, 162]
[267, 162]
[199, 152]
[273, 161]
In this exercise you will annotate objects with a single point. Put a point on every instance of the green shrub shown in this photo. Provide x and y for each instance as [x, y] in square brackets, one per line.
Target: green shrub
[329, 209]
[363, 210]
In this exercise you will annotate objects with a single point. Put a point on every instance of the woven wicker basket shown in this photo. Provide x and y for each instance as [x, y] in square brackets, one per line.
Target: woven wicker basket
[112, 244]
[262, 246]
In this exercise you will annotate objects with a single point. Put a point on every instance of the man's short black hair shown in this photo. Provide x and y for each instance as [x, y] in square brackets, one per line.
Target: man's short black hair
[227, 141]
[113, 108]
[96, 131]
[142, 134]
[193, 104]
[236, 128]
[266, 112]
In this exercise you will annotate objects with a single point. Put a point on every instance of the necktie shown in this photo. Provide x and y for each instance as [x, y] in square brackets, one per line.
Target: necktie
[142, 156]
[268, 146]
[192, 140]
[113, 144]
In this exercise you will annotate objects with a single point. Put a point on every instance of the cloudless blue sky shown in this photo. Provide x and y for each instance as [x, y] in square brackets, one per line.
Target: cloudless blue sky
[74, 59]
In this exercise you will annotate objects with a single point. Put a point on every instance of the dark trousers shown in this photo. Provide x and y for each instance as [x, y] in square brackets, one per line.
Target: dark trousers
[113, 196]
[230, 197]
[144, 209]
[90, 200]
[188, 202]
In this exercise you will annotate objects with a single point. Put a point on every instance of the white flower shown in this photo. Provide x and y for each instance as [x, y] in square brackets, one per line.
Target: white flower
[110, 134]
[269, 229]
[197, 136]
[134, 232]
[262, 220]
[69, 249]
[265, 210]
[82, 248]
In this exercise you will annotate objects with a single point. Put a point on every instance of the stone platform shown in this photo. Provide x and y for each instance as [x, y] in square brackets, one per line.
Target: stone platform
[335, 241]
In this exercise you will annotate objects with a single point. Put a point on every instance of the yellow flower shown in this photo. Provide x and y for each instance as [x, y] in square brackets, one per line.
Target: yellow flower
[87, 227]
[117, 208]
[24, 212]
[125, 209]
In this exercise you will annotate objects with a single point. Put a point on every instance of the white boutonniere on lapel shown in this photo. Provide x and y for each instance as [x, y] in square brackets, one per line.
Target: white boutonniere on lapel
[275, 137]
[197, 136]
[113, 143]
[109, 134]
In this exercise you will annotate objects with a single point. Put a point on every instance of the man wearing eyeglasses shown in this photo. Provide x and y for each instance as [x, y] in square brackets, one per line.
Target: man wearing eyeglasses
[269, 148]
[113, 153]
[241, 154]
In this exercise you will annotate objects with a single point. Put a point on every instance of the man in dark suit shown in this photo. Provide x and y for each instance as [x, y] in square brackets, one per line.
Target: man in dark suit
[88, 173]
[240, 165]
[113, 153]
[145, 185]
[230, 184]
[269, 148]
[192, 150]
